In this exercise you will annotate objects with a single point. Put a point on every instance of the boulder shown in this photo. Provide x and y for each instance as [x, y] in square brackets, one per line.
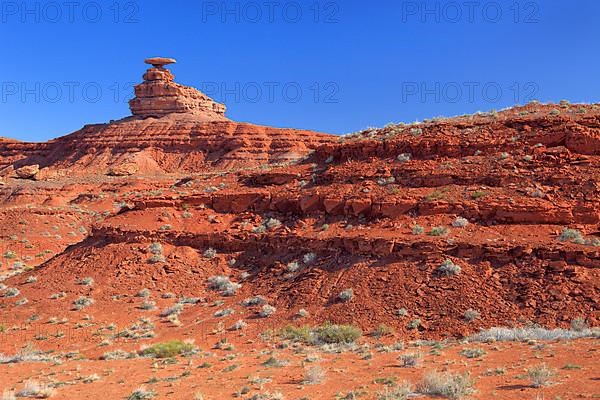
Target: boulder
[28, 171]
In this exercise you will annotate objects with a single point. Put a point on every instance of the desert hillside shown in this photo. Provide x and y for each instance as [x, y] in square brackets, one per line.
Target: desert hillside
[177, 223]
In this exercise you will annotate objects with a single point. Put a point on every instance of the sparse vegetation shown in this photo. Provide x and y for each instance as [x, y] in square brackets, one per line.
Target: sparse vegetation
[473, 353]
[222, 284]
[460, 222]
[142, 393]
[169, 349]
[418, 230]
[395, 392]
[438, 231]
[266, 311]
[448, 268]
[540, 375]
[88, 281]
[449, 385]
[314, 375]
[36, 390]
[346, 295]
[324, 334]
[533, 333]
[83, 302]
[210, 253]
[410, 360]
[254, 301]
[471, 315]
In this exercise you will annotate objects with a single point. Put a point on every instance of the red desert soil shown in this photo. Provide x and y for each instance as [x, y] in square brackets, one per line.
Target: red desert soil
[433, 230]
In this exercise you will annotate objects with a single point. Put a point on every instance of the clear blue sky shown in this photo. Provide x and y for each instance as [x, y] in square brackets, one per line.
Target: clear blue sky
[356, 63]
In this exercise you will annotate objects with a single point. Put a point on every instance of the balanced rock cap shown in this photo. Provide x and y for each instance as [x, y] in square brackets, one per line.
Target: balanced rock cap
[159, 62]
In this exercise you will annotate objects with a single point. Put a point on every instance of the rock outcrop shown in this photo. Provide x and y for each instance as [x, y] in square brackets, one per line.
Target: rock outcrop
[173, 128]
[159, 95]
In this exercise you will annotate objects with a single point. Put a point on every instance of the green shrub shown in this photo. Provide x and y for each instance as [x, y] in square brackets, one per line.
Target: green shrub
[473, 353]
[438, 231]
[169, 349]
[327, 333]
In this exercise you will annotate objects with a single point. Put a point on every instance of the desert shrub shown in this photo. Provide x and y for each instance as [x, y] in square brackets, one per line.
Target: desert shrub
[540, 375]
[117, 355]
[401, 392]
[143, 293]
[471, 315]
[402, 312]
[410, 360]
[210, 253]
[21, 302]
[386, 181]
[188, 300]
[238, 326]
[157, 258]
[272, 223]
[330, 333]
[36, 390]
[254, 301]
[418, 230]
[382, 330]
[535, 333]
[156, 248]
[404, 157]
[579, 324]
[222, 284]
[438, 231]
[169, 349]
[314, 375]
[327, 333]
[83, 302]
[448, 268]
[11, 292]
[460, 222]
[224, 313]
[309, 258]
[452, 386]
[302, 313]
[31, 279]
[141, 393]
[346, 295]
[273, 362]
[59, 295]
[473, 353]
[174, 310]
[571, 235]
[414, 324]
[87, 281]
[266, 311]
[293, 266]
[28, 354]
[148, 305]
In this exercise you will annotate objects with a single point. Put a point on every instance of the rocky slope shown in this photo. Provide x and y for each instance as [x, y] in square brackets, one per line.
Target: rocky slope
[434, 229]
